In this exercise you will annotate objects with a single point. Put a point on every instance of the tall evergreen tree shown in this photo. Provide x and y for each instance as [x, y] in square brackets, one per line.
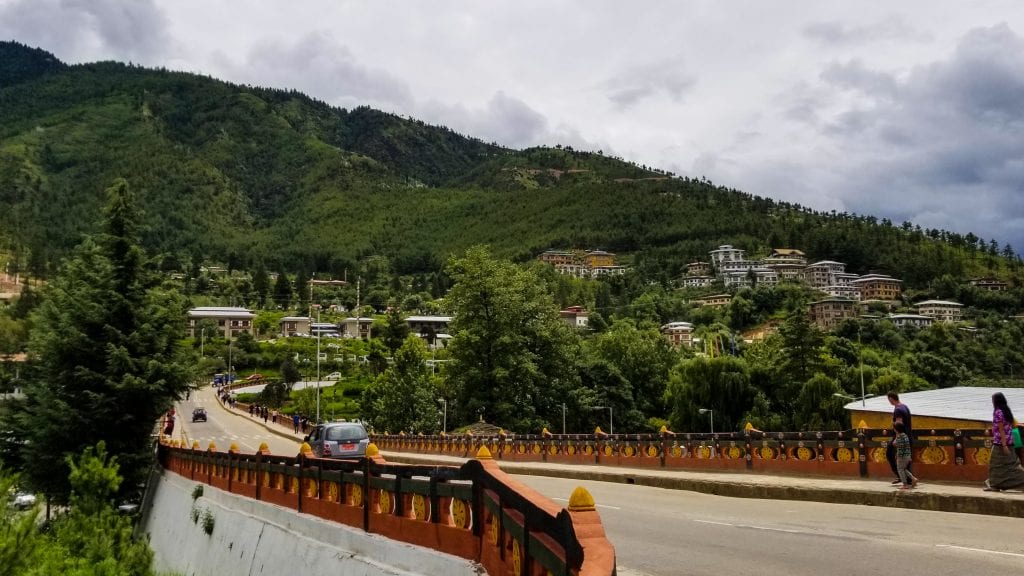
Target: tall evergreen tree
[261, 285]
[104, 355]
[282, 291]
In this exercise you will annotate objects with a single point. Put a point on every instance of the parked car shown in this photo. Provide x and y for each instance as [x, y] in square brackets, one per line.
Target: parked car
[199, 415]
[339, 440]
[333, 376]
[23, 500]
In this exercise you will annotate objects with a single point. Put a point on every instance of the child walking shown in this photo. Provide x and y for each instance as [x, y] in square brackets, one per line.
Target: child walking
[903, 455]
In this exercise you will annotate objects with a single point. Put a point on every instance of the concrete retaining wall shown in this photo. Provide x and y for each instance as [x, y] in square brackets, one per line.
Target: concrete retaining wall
[252, 538]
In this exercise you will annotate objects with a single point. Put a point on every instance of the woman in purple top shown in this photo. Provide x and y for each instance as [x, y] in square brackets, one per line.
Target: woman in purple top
[1004, 470]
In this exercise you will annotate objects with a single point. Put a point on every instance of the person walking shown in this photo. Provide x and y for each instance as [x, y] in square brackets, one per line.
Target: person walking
[295, 422]
[903, 455]
[900, 413]
[1004, 469]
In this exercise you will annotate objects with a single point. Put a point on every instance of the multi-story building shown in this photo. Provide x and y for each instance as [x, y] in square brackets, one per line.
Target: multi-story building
[990, 284]
[696, 281]
[575, 316]
[749, 277]
[230, 321]
[915, 320]
[848, 292]
[714, 301]
[598, 259]
[726, 253]
[295, 325]
[828, 313]
[786, 271]
[556, 257]
[678, 334]
[598, 271]
[878, 287]
[823, 274]
[941, 310]
[698, 269]
[356, 327]
[786, 256]
[433, 329]
[592, 264]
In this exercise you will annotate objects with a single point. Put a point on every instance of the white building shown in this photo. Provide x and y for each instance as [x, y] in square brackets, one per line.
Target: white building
[916, 320]
[230, 321]
[678, 334]
[941, 310]
[726, 253]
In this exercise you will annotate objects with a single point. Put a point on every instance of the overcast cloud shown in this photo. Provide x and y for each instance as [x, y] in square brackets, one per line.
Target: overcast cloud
[907, 111]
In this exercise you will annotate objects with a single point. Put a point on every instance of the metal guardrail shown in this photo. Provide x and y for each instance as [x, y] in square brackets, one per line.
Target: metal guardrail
[474, 511]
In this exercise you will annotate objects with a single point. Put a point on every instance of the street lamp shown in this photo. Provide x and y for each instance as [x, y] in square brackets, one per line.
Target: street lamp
[563, 418]
[712, 414]
[202, 342]
[444, 417]
[848, 397]
[611, 422]
[318, 331]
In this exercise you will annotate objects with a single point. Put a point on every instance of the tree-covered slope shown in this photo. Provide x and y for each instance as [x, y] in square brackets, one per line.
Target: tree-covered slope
[243, 175]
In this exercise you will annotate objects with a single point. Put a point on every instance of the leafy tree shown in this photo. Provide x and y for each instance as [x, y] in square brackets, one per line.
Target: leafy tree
[395, 330]
[643, 358]
[290, 372]
[105, 357]
[720, 384]
[511, 356]
[282, 291]
[403, 397]
[261, 285]
[817, 406]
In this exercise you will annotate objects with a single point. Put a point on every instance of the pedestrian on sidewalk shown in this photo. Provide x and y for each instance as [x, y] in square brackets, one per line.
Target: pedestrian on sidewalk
[295, 422]
[900, 413]
[1004, 469]
[266, 412]
[903, 455]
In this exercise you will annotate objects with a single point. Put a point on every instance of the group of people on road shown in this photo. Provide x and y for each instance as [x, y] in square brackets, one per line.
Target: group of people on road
[257, 411]
[1004, 466]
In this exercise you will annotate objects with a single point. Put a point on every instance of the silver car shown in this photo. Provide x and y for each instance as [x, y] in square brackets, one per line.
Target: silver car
[339, 440]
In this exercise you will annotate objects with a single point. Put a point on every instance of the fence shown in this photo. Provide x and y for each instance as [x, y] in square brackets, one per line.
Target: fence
[940, 454]
[475, 511]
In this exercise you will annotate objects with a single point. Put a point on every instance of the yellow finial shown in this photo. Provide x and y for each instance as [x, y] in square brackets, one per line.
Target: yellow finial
[663, 429]
[372, 450]
[305, 449]
[233, 448]
[195, 444]
[581, 500]
[598, 431]
[862, 425]
[501, 432]
[469, 432]
[442, 433]
[264, 447]
[402, 433]
[483, 453]
[544, 432]
[748, 427]
[212, 447]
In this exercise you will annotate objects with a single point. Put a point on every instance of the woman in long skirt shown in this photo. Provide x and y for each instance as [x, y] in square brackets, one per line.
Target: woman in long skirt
[1004, 470]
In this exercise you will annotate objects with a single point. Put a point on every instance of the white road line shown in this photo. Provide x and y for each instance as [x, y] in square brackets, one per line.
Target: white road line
[752, 527]
[597, 505]
[1014, 554]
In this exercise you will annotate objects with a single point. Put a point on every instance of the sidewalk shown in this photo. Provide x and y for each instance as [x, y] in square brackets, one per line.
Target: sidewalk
[940, 497]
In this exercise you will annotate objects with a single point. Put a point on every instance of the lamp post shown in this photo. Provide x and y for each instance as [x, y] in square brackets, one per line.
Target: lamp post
[611, 422]
[860, 360]
[444, 416]
[711, 413]
[563, 418]
[202, 342]
[318, 331]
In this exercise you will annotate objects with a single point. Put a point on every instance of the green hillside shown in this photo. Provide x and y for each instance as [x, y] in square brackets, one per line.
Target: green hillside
[243, 175]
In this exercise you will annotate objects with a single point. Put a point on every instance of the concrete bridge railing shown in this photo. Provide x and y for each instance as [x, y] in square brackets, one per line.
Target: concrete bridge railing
[941, 454]
[474, 511]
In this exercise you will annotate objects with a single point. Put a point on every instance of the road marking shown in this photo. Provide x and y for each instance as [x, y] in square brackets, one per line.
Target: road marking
[752, 527]
[597, 505]
[1014, 554]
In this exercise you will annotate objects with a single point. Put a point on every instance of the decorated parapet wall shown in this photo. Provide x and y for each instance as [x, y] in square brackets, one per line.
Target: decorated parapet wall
[940, 454]
[475, 511]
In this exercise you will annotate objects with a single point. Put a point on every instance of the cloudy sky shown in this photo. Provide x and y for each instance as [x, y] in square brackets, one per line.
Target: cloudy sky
[907, 110]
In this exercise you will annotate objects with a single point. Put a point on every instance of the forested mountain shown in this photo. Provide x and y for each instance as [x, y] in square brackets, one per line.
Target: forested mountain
[248, 175]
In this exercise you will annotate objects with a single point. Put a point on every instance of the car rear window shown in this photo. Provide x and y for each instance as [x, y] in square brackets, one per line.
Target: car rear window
[341, 433]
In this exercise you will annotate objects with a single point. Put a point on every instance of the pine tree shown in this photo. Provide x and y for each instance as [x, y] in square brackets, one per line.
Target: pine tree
[104, 357]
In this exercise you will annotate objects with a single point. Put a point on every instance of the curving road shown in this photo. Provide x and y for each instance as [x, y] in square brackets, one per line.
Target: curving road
[670, 532]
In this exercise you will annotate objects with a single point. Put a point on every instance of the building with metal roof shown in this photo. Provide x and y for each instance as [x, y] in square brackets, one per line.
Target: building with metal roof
[957, 407]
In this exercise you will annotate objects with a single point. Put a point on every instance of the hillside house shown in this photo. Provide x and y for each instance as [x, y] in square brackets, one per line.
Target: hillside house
[295, 325]
[678, 334]
[714, 301]
[989, 284]
[575, 316]
[941, 310]
[828, 313]
[878, 287]
[356, 327]
[915, 320]
[230, 321]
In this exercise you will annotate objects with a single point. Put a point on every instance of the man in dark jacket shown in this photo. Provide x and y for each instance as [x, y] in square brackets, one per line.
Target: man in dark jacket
[900, 413]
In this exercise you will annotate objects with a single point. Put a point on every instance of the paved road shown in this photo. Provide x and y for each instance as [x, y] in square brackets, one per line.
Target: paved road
[671, 532]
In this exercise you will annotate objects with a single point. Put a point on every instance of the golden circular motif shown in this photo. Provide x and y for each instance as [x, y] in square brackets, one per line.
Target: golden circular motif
[332, 492]
[279, 482]
[517, 559]
[420, 507]
[678, 451]
[311, 490]
[385, 501]
[536, 448]
[552, 449]
[734, 452]
[804, 453]
[844, 454]
[878, 455]
[608, 450]
[461, 514]
[507, 449]
[356, 496]
[652, 450]
[266, 479]
[521, 448]
[983, 455]
[494, 448]
[493, 532]
[704, 452]
[295, 485]
[767, 453]
[588, 450]
[570, 449]
[933, 455]
[628, 451]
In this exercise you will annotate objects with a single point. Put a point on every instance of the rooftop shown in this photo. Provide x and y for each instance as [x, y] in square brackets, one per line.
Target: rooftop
[960, 402]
